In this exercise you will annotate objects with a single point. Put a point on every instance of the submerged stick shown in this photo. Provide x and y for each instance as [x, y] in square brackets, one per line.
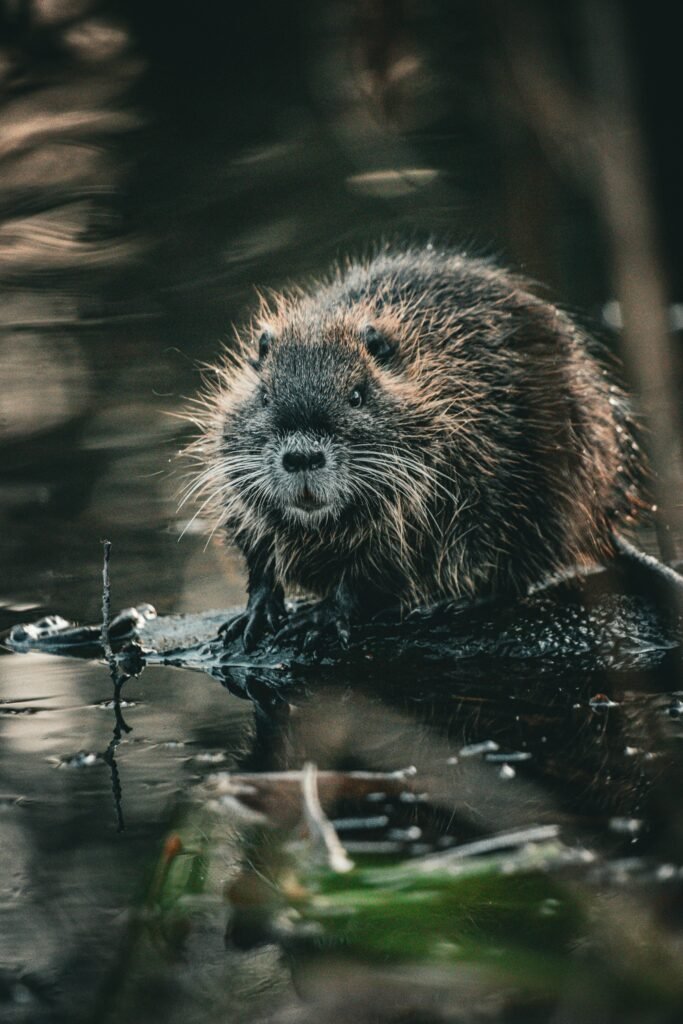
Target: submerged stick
[106, 616]
[118, 679]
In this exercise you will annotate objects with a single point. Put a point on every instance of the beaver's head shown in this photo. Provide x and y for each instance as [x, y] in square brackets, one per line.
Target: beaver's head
[318, 426]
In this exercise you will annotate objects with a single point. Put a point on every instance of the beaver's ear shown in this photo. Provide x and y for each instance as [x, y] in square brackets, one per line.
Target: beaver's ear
[265, 340]
[380, 347]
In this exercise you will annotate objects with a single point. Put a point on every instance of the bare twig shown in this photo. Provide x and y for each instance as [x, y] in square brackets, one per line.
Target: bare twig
[321, 830]
[106, 616]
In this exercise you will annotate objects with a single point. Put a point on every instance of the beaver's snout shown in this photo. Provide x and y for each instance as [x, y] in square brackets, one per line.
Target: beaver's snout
[307, 476]
[294, 460]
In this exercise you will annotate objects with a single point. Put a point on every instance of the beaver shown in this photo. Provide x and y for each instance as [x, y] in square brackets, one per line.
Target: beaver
[416, 427]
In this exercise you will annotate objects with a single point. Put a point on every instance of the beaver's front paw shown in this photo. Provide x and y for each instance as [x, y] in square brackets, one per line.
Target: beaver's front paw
[265, 613]
[314, 628]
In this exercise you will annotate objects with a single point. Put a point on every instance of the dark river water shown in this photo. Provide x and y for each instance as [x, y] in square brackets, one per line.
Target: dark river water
[152, 173]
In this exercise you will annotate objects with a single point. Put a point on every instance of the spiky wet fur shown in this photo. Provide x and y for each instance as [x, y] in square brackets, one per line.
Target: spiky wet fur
[494, 448]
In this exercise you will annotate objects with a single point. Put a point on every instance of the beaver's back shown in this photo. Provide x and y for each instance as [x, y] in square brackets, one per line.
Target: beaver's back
[533, 420]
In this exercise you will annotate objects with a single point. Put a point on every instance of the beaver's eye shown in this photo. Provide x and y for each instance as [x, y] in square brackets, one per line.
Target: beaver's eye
[265, 398]
[356, 399]
[378, 345]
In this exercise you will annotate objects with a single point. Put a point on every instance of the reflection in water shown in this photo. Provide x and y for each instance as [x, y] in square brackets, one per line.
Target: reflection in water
[558, 768]
[120, 728]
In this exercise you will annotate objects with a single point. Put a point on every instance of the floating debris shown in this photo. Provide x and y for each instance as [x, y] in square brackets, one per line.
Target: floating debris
[352, 824]
[111, 704]
[405, 835]
[83, 759]
[277, 796]
[472, 749]
[601, 701]
[513, 756]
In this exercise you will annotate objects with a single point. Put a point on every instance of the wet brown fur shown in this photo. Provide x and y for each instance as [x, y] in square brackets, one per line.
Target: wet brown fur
[516, 441]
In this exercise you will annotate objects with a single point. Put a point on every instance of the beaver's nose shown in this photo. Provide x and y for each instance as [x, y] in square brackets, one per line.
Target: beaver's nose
[298, 461]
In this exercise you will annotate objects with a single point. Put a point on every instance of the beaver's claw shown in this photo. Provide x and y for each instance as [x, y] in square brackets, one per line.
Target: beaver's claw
[264, 613]
[315, 628]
